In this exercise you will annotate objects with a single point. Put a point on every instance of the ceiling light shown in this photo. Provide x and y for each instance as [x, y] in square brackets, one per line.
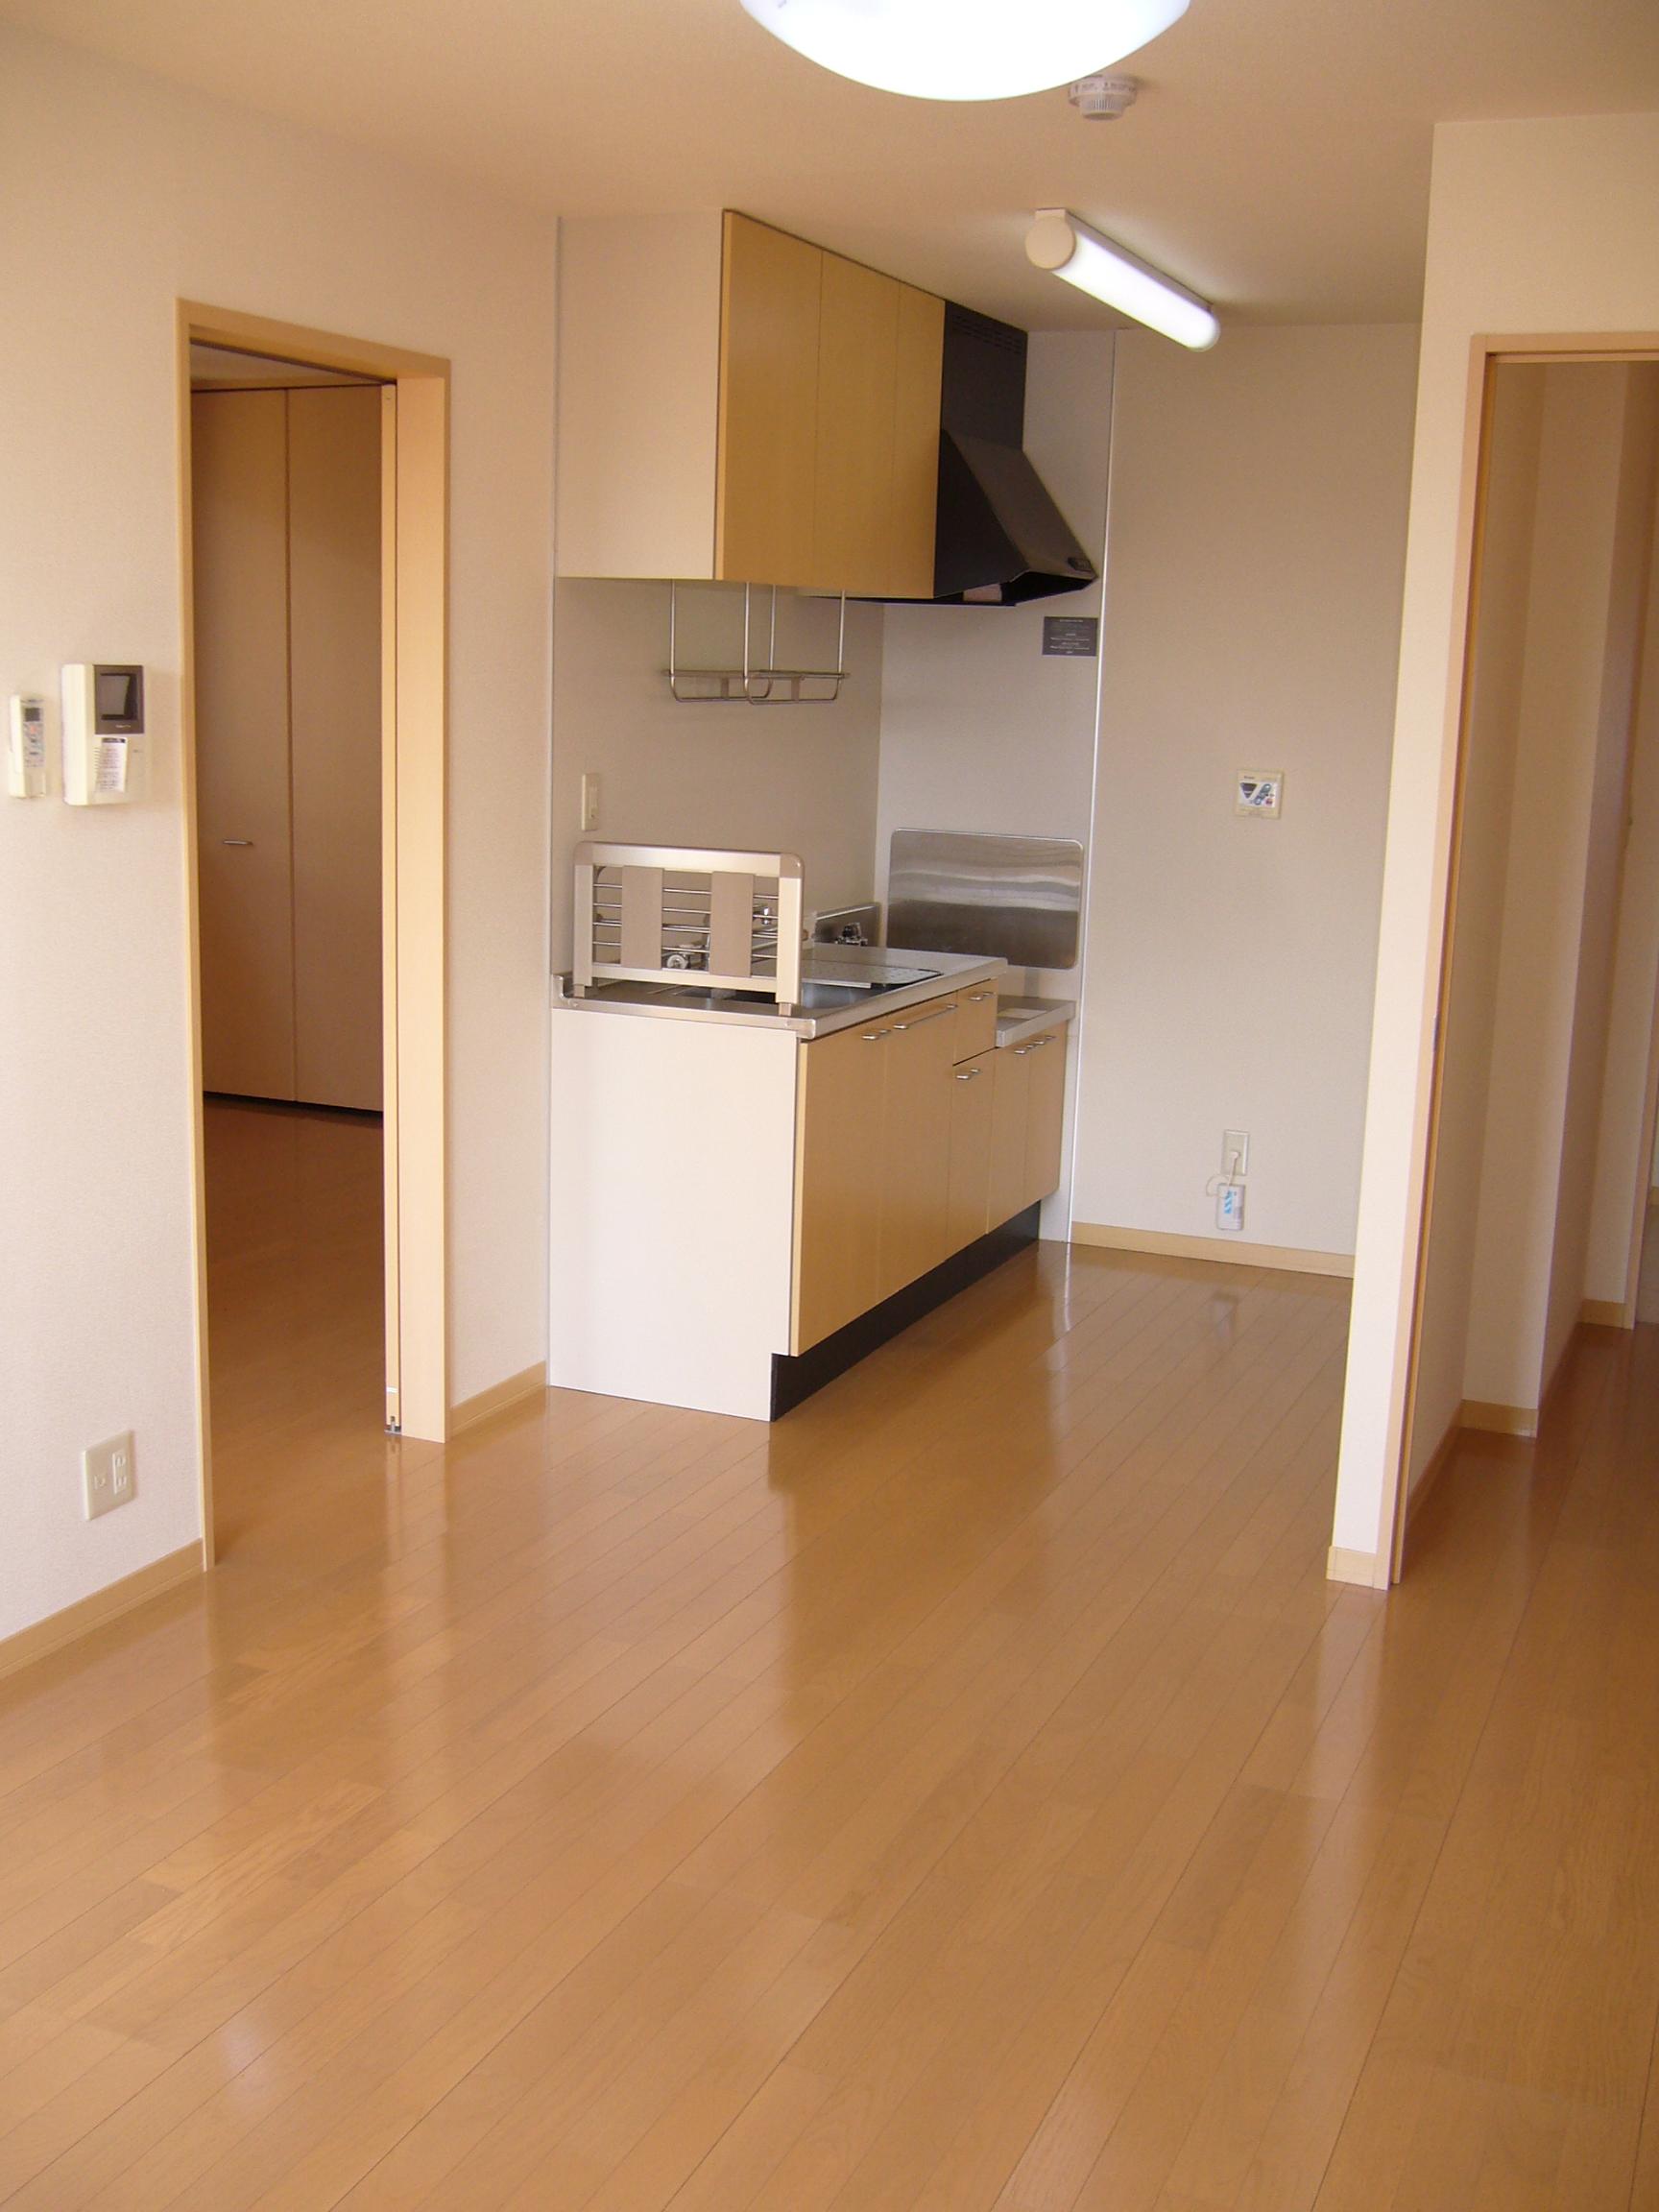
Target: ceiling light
[1058, 242]
[965, 49]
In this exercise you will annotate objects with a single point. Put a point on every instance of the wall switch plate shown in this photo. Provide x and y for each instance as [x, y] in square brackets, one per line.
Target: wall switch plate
[1260, 792]
[1235, 1154]
[1230, 1206]
[589, 802]
[108, 1479]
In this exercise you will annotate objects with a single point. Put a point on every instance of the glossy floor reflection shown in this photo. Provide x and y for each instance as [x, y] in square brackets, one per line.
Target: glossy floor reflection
[967, 1794]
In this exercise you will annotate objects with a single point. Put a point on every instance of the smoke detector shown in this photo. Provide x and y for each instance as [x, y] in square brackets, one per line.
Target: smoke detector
[1104, 99]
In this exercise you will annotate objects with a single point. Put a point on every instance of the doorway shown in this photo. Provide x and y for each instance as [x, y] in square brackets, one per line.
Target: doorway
[314, 531]
[1542, 1113]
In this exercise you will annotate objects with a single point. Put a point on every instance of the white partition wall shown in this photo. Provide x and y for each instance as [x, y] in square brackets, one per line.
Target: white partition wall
[1538, 231]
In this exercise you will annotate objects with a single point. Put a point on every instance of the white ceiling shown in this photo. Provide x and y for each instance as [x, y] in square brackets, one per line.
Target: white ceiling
[1278, 160]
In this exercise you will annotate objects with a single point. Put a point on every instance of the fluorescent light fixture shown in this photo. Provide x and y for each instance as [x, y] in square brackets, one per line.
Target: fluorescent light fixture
[1059, 242]
[965, 49]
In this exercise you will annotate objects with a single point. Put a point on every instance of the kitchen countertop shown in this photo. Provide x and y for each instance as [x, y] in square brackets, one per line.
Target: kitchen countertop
[826, 1006]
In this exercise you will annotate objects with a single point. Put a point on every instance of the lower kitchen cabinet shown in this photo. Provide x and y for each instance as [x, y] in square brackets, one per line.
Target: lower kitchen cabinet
[733, 1206]
[874, 1151]
[1010, 1091]
[1028, 1111]
[915, 1145]
[1044, 1113]
[968, 1205]
[907, 1154]
[839, 1181]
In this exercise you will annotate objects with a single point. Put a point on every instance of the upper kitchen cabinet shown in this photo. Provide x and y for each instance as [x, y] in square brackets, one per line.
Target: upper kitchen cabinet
[738, 405]
[770, 360]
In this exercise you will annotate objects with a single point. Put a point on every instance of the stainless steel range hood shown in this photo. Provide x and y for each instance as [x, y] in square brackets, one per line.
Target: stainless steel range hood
[1000, 540]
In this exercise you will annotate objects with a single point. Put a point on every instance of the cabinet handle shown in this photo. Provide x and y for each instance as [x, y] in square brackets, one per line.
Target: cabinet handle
[873, 1036]
[236, 841]
[969, 1074]
[921, 1023]
[978, 997]
[1041, 1043]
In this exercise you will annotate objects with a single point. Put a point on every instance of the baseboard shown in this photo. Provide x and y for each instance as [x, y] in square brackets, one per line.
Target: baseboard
[1604, 1314]
[484, 1404]
[1359, 1566]
[80, 1619]
[1285, 1257]
[1499, 1420]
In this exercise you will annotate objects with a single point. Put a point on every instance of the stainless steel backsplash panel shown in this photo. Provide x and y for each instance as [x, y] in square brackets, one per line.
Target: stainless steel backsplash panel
[1017, 897]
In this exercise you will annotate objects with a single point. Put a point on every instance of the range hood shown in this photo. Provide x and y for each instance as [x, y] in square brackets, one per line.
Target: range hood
[1001, 538]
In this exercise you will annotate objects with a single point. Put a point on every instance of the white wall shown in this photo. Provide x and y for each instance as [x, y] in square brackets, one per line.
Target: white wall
[1488, 797]
[123, 193]
[1623, 1144]
[1562, 879]
[980, 730]
[1535, 228]
[1547, 1016]
[796, 778]
[1251, 612]
[1613, 713]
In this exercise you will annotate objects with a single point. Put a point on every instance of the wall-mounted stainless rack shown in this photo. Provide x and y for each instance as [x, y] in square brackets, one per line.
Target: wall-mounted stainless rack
[760, 684]
[689, 917]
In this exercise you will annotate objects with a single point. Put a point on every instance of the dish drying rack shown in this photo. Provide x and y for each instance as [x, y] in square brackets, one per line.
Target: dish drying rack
[689, 917]
[759, 683]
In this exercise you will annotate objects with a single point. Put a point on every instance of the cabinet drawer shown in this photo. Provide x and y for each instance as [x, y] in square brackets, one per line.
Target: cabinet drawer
[976, 1021]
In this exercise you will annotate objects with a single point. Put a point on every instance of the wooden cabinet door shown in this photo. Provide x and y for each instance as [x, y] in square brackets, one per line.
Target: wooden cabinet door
[857, 368]
[968, 1201]
[916, 1145]
[239, 471]
[334, 601]
[1044, 1113]
[914, 488]
[767, 463]
[838, 1180]
[1010, 1096]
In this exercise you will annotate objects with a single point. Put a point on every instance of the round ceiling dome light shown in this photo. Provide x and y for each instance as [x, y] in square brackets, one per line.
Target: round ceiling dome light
[965, 49]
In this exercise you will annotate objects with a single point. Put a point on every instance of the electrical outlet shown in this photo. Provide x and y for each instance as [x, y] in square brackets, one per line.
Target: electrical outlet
[1235, 1154]
[589, 802]
[108, 1479]
[1230, 1206]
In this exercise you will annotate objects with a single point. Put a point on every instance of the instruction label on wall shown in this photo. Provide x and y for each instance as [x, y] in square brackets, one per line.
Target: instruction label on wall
[1259, 794]
[1073, 636]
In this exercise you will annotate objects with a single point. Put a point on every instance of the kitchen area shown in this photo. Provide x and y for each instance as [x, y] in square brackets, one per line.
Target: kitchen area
[819, 860]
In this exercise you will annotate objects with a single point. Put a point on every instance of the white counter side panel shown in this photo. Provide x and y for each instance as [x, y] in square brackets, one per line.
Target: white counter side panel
[673, 1151]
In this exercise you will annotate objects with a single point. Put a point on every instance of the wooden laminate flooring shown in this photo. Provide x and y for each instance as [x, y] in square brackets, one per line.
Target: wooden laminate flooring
[967, 1794]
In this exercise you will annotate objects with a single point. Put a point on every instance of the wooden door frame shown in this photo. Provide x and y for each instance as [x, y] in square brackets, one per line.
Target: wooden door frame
[415, 568]
[1487, 354]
